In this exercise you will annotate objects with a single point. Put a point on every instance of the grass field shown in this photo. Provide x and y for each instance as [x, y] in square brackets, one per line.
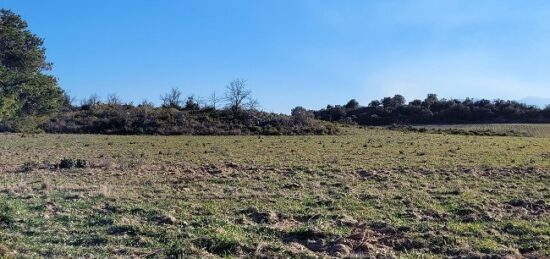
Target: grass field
[367, 192]
[529, 130]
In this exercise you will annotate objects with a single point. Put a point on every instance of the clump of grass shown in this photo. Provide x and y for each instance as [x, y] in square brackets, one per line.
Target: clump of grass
[7, 214]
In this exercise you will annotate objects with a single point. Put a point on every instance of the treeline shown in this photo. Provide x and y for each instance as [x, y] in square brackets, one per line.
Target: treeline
[177, 116]
[238, 115]
[432, 110]
[32, 101]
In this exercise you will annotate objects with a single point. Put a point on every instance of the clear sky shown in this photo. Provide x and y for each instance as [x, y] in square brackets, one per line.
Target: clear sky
[296, 52]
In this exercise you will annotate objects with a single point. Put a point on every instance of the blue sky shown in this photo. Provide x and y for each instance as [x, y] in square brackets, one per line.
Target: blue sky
[296, 52]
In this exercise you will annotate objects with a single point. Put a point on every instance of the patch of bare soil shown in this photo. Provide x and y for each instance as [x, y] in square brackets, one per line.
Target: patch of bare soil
[222, 248]
[377, 175]
[51, 209]
[375, 239]
[538, 207]
[472, 213]
[425, 215]
[259, 217]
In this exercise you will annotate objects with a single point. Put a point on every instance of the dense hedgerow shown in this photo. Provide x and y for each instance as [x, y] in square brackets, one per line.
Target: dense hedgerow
[432, 110]
[129, 119]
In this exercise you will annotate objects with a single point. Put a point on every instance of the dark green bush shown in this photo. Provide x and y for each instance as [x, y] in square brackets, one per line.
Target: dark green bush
[68, 163]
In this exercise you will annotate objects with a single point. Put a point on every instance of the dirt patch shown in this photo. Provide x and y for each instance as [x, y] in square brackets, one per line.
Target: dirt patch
[374, 238]
[345, 220]
[107, 208]
[425, 215]
[532, 207]
[166, 219]
[222, 247]
[51, 209]
[262, 217]
[373, 175]
[471, 213]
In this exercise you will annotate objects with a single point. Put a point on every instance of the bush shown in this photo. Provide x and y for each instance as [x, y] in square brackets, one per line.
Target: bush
[68, 163]
[81, 163]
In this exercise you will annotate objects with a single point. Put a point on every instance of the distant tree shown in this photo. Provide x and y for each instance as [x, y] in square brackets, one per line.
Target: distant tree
[252, 104]
[483, 103]
[469, 102]
[201, 101]
[398, 100]
[214, 100]
[238, 97]
[375, 103]
[26, 92]
[546, 111]
[172, 99]
[387, 103]
[302, 116]
[68, 100]
[146, 104]
[337, 113]
[430, 100]
[352, 104]
[192, 103]
[416, 103]
[113, 100]
[91, 101]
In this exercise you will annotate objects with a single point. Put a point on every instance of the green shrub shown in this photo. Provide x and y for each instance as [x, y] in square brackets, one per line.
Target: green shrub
[68, 163]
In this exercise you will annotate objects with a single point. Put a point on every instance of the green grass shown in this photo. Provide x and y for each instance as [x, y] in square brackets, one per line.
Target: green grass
[366, 191]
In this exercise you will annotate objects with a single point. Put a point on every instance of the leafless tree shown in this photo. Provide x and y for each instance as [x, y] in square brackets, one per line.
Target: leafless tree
[252, 104]
[201, 101]
[146, 104]
[214, 100]
[238, 97]
[113, 100]
[172, 99]
[68, 100]
[93, 100]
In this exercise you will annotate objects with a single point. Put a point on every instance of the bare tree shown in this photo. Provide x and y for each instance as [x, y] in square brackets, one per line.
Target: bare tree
[172, 99]
[252, 104]
[93, 100]
[146, 104]
[201, 101]
[68, 100]
[113, 100]
[214, 100]
[238, 97]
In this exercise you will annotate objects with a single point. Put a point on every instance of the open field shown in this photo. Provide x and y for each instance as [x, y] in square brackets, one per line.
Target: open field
[529, 130]
[368, 192]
